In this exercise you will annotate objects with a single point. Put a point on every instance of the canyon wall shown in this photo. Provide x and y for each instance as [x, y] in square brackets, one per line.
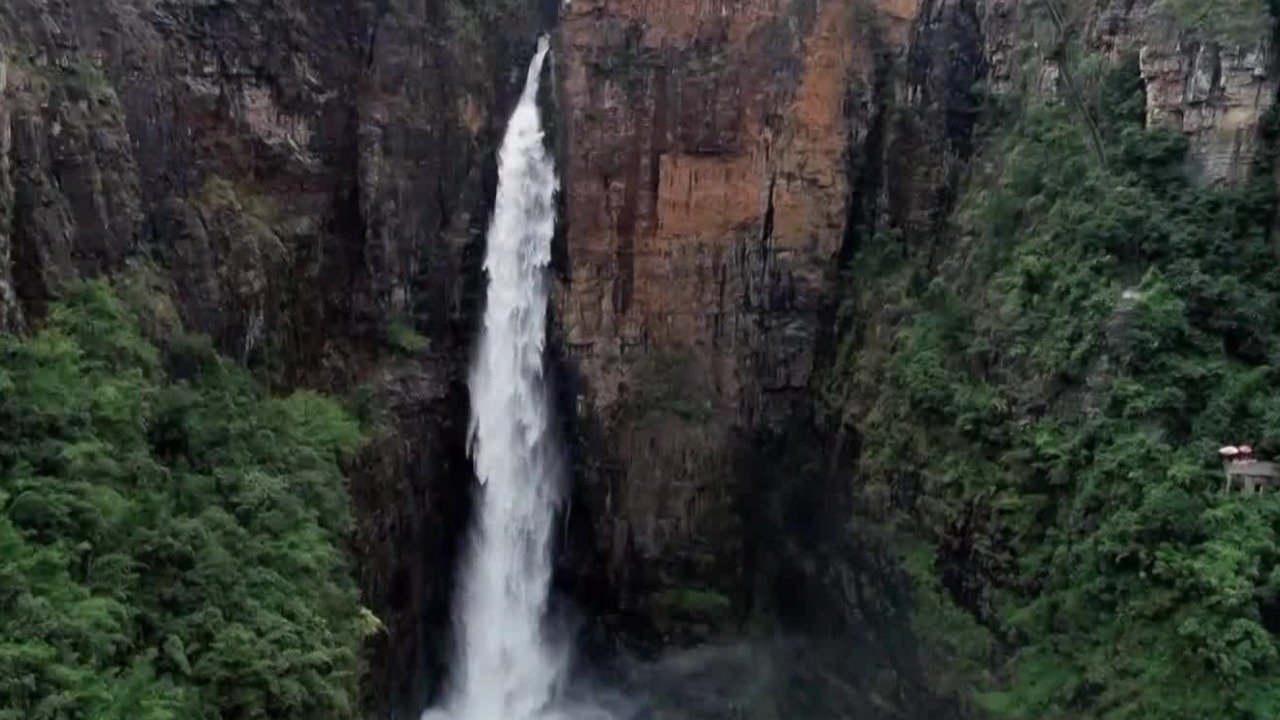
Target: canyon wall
[309, 183]
[720, 156]
[708, 192]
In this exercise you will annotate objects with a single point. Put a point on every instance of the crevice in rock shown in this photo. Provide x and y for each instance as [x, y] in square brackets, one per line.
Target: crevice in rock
[864, 163]
[766, 231]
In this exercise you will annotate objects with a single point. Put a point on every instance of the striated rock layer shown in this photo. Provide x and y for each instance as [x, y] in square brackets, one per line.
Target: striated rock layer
[706, 198]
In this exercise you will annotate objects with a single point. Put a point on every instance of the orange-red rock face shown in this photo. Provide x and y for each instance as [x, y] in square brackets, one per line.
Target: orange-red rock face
[706, 187]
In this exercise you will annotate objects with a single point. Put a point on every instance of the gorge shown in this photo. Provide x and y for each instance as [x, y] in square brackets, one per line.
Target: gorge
[887, 350]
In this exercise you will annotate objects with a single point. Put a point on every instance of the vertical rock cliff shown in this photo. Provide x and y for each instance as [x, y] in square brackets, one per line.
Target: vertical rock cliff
[308, 181]
[708, 152]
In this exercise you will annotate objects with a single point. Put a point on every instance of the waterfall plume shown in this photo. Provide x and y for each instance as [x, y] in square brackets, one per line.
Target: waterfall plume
[506, 667]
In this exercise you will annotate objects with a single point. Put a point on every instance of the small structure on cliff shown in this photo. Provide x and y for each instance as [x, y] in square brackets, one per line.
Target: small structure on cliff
[1245, 473]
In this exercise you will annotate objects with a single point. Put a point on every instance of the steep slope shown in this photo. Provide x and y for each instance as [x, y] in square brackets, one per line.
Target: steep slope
[1035, 386]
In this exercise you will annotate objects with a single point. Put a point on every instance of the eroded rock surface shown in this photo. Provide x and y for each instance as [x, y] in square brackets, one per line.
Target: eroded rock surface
[307, 180]
[707, 196]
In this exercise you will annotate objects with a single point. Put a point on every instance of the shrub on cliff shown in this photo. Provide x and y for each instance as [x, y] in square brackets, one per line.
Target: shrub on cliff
[170, 536]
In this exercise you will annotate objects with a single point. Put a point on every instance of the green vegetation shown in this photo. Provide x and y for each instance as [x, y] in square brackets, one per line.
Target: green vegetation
[692, 602]
[472, 22]
[666, 388]
[685, 614]
[170, 538]
[400, 337]
[146, 293]
[1241, 22]
[1048, 390]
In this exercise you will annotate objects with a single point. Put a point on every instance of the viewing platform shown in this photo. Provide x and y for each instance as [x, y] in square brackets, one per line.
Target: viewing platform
[1245, 473]
[1251, 477]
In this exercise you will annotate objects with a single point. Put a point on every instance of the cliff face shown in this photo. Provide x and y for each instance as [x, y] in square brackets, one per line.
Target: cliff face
[1219, 95]
[719, 155]
[1216, 89]
[708, 190]
[308, 181]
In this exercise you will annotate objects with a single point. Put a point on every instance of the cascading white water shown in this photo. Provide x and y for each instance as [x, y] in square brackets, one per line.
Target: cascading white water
[506, 668]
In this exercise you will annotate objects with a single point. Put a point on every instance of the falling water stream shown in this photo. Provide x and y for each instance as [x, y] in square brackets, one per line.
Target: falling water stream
[506, 667]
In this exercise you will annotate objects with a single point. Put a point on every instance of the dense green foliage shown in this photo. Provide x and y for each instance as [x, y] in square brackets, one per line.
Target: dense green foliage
[1042, 395]
[400, 338]
[170, 538]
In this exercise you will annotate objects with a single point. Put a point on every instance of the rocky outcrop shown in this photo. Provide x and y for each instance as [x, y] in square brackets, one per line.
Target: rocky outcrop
[1218, 94]
[1216, 88]
[69, 192]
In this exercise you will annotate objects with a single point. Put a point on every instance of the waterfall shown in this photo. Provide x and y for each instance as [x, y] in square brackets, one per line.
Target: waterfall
[506, 669]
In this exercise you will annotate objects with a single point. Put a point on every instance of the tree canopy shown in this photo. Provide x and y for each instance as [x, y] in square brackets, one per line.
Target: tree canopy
[1047, 392]
[170, 536]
